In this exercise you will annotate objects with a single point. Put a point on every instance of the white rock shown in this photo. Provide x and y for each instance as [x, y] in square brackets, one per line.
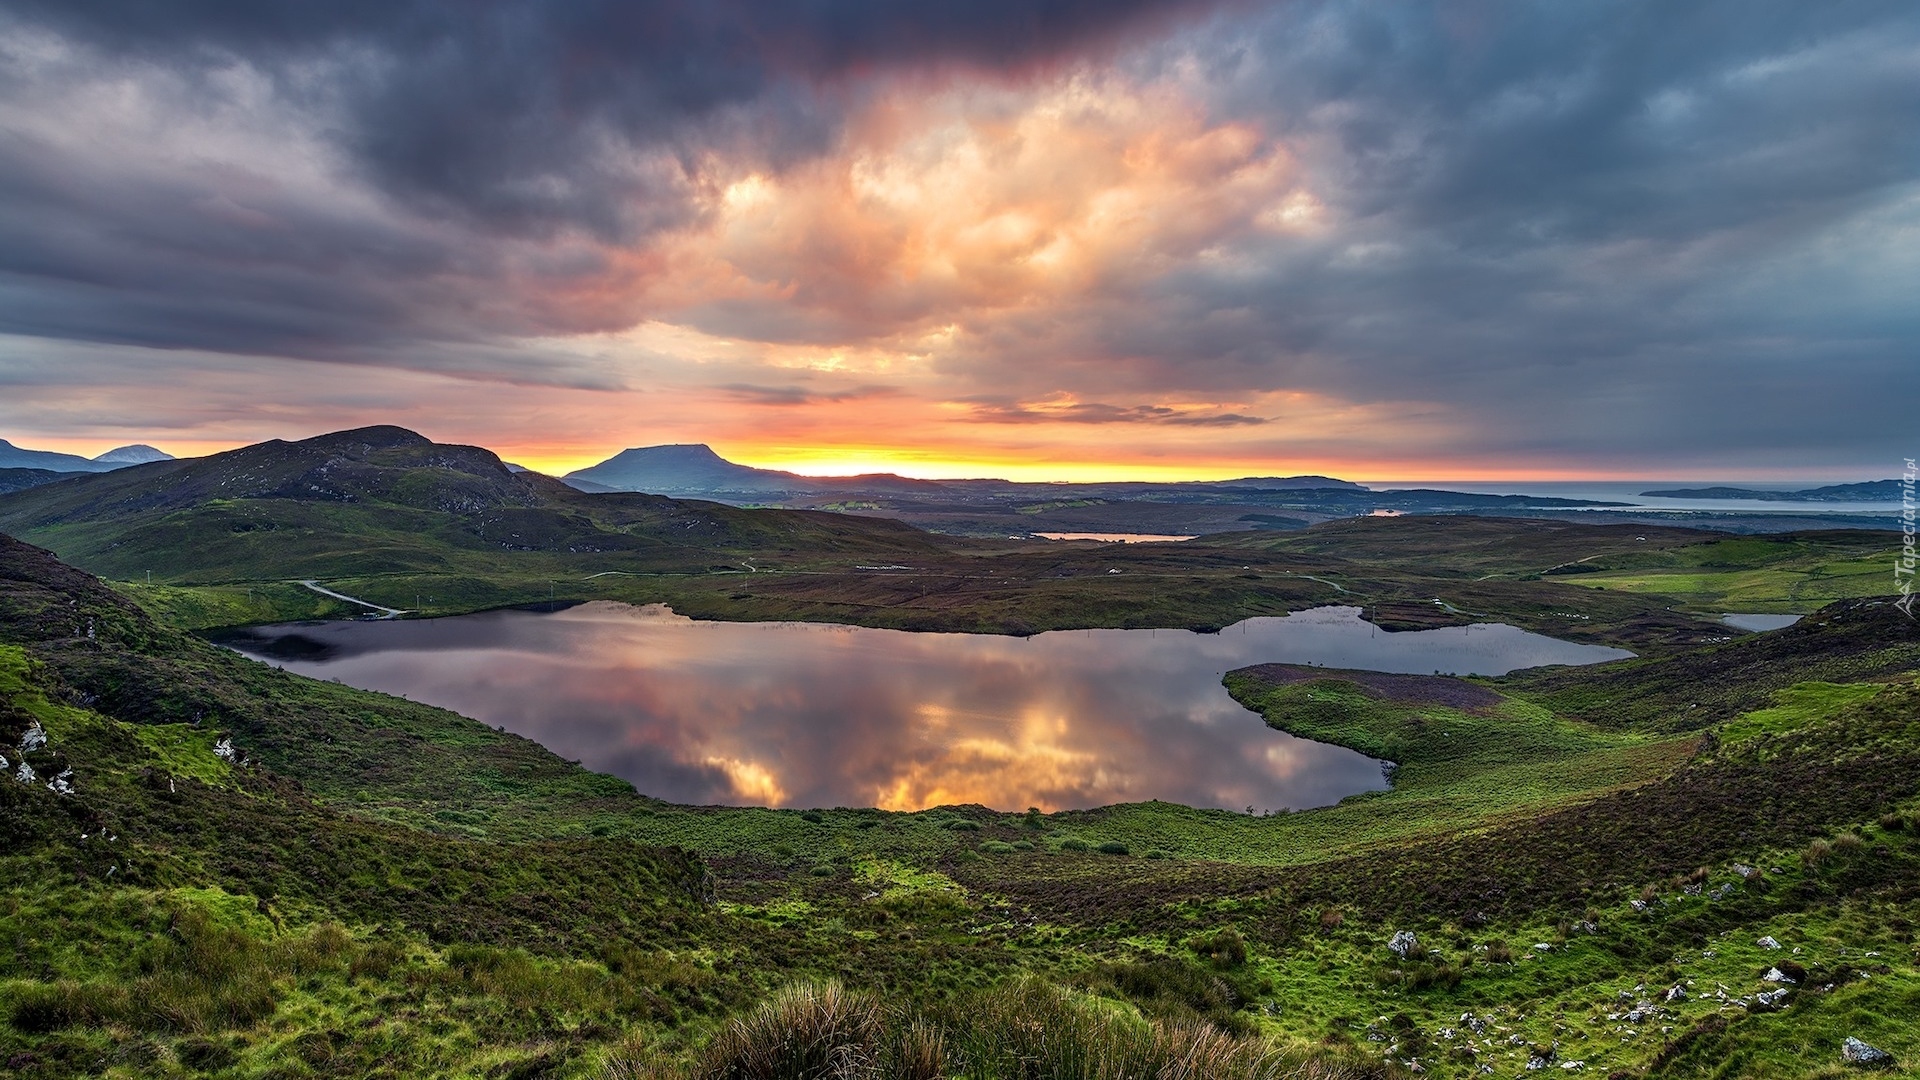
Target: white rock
[1855, 1052]
[1767, 943]
[1402, 943]
[1775, 975]
[34, 739]
[223, 749]
[26, 775]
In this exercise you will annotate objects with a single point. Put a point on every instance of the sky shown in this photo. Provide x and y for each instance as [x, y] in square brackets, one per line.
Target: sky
[1058, 239]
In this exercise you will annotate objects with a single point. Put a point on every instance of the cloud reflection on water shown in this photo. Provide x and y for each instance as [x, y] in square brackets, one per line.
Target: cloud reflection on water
[793, 714]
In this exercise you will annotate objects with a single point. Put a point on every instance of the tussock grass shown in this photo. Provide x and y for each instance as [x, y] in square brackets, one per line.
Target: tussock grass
[1024, 1030]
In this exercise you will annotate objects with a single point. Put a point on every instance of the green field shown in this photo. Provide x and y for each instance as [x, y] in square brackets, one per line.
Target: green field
[377, 887]
[260, 875]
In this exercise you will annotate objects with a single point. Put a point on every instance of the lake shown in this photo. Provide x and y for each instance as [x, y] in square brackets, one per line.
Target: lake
[809, 714]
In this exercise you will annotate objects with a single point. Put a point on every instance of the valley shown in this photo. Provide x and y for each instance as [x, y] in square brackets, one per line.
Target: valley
[250, 872]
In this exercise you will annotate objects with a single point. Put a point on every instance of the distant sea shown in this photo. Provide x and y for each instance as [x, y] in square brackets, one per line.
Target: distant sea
[1628, 491]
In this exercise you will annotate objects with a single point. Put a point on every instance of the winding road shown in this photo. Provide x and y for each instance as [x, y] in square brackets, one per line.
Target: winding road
[385, 612]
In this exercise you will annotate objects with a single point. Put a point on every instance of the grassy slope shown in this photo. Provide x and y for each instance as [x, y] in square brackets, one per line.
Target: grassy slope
[411, 891]
[1791, 573]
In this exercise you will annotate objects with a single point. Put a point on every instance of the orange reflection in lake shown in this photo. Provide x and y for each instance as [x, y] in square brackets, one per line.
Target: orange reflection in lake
[796, 714]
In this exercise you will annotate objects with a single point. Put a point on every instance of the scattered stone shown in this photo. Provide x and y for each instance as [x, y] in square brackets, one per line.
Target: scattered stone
[1676, 993]
[1771, 999]
[1767, 943]
[1855, 1052]
[26, 775]
[1570, 1066]
[1542, 947]
[223, 749]
[1639, 905]
[1402, 943]
[1775, 975]
[35, 738]
[62, 784]
[1744, 870]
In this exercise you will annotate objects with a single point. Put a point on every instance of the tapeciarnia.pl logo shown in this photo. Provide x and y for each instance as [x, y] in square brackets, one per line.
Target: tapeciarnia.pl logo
[1904, 564]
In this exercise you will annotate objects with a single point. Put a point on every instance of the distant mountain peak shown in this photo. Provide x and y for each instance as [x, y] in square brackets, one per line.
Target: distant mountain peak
[135, 454]
[19, 457]
[374, 437]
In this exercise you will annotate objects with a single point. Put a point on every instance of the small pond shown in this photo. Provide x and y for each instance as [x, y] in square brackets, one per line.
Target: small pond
[1758, 623]
[808, 714]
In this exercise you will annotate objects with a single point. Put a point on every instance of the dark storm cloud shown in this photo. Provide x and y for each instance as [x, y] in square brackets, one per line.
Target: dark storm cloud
[1097, 412]
[472, 162]
[532, 115]
[800, 395]
[1685, 211]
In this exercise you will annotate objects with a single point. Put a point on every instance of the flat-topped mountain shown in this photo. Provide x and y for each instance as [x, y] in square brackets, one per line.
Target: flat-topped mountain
[693, 468]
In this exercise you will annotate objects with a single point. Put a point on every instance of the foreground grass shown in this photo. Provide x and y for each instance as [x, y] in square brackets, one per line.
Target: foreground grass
[371, 887]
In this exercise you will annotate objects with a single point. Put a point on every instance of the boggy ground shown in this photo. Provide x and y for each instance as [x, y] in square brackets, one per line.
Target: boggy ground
[257, 874]
[1405, 573]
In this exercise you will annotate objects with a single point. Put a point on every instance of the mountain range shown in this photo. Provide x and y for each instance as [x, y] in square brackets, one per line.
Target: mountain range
[694, 469]
[389, 498]
[15, 457]
[1871, 491]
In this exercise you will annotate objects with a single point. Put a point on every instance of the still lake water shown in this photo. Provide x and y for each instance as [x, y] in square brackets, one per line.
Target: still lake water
[807, 714]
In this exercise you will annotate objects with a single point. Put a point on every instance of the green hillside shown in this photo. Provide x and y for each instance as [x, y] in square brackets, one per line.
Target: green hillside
[367, 886]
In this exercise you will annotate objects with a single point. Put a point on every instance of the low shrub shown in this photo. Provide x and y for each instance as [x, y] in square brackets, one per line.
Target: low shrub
[1112, 847]
[1224, 948]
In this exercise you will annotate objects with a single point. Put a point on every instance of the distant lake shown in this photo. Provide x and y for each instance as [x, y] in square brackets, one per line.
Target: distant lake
[1117, 538]
[1759, 623]
[808, 714]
